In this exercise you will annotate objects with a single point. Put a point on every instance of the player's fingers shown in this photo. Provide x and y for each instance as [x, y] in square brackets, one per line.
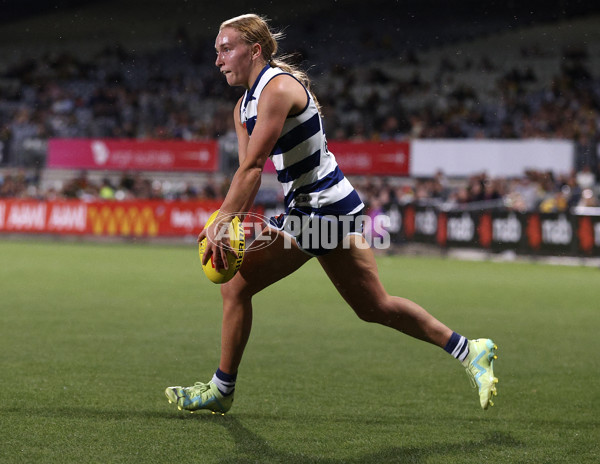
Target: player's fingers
[201, 235]
[207, 253]
[223, 262]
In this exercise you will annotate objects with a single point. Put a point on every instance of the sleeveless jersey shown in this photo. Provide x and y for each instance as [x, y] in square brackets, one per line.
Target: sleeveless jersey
[311, 178]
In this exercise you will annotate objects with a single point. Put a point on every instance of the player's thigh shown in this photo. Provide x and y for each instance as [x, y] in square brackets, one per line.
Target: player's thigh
[352, 268]
[266, 264]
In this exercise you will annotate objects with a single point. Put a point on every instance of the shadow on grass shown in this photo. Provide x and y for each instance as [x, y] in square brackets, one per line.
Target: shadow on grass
[252, 448]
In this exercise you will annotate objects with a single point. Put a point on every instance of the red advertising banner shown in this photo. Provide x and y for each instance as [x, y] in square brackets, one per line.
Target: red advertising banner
[528, 233]
[368, 158]
[106, 218]
[140, 155]
[372, 158]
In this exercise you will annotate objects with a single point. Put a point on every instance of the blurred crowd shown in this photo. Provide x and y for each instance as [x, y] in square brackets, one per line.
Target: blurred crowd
[172, 94]
[26, 184]
[534, 191]
[179, 94]
[368, 104]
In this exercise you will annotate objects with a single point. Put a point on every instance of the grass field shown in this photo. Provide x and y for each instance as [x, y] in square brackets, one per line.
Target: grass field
[91, 334]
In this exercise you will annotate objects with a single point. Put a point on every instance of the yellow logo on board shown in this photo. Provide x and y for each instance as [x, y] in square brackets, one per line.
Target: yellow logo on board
[123, 220]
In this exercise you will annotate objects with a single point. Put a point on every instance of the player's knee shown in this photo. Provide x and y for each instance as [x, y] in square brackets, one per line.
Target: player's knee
[378, 311]
[236, 288]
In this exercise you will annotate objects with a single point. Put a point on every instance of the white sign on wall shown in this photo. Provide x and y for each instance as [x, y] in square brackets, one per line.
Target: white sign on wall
[497, 158]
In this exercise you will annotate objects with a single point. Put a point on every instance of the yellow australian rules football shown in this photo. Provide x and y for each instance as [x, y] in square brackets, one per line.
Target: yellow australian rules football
[237, 240]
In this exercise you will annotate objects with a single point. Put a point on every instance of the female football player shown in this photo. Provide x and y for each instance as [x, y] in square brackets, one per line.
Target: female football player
[278, 117]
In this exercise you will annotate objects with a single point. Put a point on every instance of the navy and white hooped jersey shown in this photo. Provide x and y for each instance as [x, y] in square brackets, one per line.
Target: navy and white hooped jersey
[311, 178]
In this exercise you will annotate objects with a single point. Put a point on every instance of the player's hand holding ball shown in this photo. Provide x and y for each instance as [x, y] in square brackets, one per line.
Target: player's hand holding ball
[221, 248]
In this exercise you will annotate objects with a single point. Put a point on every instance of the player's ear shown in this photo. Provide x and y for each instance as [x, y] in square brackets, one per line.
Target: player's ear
[256, 51]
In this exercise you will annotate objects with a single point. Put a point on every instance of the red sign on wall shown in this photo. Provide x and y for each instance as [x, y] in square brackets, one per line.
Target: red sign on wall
[374, 158]
[106, 218]
[141, 155]
[368, 158]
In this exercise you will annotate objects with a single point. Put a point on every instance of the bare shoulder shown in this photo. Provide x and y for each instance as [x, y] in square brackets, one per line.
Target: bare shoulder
[285, 88]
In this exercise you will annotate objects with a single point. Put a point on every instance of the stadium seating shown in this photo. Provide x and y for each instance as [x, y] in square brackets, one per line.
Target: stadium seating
[146, 71]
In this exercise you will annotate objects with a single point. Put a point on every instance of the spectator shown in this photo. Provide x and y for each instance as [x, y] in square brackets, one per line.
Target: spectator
[106, 191]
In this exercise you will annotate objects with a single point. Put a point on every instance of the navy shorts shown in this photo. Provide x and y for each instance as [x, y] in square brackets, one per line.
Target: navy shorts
[317, 234]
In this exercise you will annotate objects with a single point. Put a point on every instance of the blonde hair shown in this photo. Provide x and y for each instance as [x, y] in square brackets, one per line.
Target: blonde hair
[255, 29]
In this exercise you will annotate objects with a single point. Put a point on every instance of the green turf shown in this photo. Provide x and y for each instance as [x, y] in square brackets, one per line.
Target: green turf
[91, 334]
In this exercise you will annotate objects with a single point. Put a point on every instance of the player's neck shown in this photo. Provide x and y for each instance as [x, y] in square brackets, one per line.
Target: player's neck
[257, 67]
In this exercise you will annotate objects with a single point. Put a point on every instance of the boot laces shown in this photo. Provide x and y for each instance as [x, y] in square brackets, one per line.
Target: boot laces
[197, 389]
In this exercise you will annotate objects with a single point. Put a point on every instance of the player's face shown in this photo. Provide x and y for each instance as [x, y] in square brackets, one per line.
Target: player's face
[234, 57]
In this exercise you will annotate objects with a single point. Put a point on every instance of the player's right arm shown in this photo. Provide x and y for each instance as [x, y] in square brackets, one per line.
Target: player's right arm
[243, 139]
[240, 130]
